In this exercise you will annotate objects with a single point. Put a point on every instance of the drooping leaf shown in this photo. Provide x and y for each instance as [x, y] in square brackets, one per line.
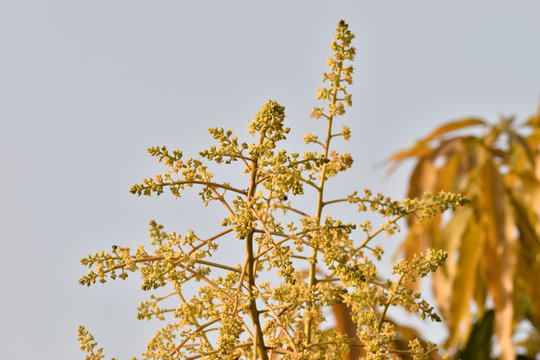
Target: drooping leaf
[470, 251]
[412, 244]
[522, 142]
[505, 313]
[479, 343]
[498, 269]
[423, 178]
[449, 175]
[499, 171]
[450, 240]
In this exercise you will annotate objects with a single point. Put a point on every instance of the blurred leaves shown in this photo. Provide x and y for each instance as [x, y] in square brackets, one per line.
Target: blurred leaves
[493, 245]
[479, 344]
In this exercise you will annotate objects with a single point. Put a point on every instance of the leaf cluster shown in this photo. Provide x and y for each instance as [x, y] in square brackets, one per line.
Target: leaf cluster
[493, 243]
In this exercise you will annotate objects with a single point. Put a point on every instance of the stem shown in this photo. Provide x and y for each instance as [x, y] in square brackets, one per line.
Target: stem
[278, 321]
[335, 201]
[381, 229]
[196, 182]
[239, 346]
[250, 270]
[320, 204]
[390, 299]
[199, 329]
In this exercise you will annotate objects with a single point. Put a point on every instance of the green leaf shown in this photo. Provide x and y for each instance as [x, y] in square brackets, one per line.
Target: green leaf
[479, 343]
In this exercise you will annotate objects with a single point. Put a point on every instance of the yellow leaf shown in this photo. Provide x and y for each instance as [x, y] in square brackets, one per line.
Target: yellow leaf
[449, 176]
[505, 312]
[419, 150]
[451, 147]
[455, 125]
[499, 259]
[412, 243]
[464, 282]
[520, 140]
[423, 178]
[450, 240]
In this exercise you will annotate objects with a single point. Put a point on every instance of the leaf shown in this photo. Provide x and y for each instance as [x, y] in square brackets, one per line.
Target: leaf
[479, 343]
[412, 243]
[491, 200]
[504, 325]
[499, 153]
[502, 180]
[451, 147]
[463, 285]
[527, 187]
[535, 119]
[520, 140]
[534, 295]
[449, 175]
[452, 126]
[499, 253]
[450, 240]
[419, 150]
[529, 253]
[423, 178]
[529, 241]
[480, 291]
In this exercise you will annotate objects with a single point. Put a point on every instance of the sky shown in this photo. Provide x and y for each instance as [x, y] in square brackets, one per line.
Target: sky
[87, 86]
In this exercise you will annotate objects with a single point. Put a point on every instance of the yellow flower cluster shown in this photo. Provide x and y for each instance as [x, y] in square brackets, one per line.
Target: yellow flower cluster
[315, 261]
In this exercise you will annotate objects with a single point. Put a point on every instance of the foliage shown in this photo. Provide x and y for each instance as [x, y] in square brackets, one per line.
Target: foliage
[318, 260]
[478, 345]
[493, 245]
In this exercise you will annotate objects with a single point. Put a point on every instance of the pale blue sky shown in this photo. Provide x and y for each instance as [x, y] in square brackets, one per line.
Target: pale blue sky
[86, 86]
